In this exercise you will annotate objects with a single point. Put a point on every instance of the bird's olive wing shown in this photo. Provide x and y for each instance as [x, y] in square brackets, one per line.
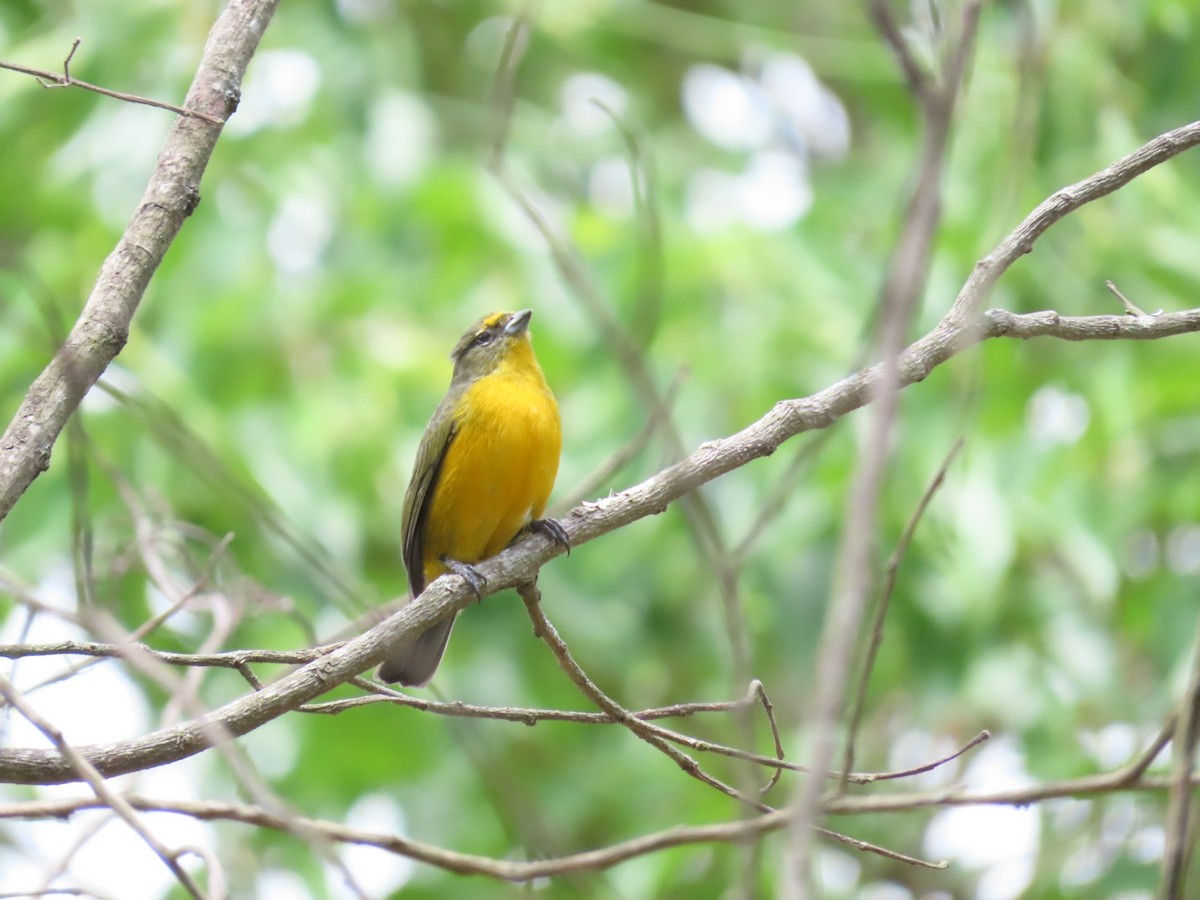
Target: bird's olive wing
[439, 433]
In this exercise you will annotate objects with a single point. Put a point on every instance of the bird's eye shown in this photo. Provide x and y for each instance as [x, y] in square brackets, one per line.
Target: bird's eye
[484, 338]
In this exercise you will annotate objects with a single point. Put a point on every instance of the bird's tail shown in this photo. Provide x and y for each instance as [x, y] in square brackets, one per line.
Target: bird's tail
[413, 662]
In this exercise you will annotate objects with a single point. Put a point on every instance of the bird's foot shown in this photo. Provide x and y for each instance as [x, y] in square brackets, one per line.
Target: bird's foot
[553, 530]
[468, 573]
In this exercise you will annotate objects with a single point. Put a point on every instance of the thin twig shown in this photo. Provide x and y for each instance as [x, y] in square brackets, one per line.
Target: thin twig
[606, 857]
[87, 772]
[227, 659]
[885, 598]
[648, 733]
[903, 284]
[757, 690]
[1179, 825]
[171, 195]
[918, 79]
[1137, 767]
[503, 92]
[962, 327]
[1084, 786]
[524, 715]
[868, 847]
[65, 79]
[937, 763]
[1129, 306]
[449, 860]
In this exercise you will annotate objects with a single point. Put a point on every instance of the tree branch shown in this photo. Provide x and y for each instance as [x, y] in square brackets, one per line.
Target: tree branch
[1180, 819]
[104, 793]
[606, 857]
[903, 286]
[656, 737]
[854, 717]
[65, 79]
[962, 327]
[171, 196]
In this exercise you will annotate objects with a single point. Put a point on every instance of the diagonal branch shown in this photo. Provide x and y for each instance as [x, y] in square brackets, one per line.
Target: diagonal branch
[962, 327]
[104, 793]
[171, 196]
[854, 718]
[658, 738]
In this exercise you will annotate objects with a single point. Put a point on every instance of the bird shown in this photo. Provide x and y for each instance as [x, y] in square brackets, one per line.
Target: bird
[484, 471]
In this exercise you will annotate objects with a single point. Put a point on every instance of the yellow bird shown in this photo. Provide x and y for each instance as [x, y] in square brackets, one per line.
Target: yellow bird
[484, 471]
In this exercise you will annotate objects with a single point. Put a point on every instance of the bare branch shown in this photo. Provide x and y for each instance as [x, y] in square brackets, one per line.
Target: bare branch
[171, 196]
[903, 285]
[937, 763]
[229, 659]
[1086, 786]
[1001, 323]
[868, 847]
[757, 690]
[525, 715]
[885, 23]
[962, 327]
[889, 585]
[1129, 307]
[95, 780]
[461, 863]
[648, 733]
[607, 857]
[1180, 823]
[65, 79]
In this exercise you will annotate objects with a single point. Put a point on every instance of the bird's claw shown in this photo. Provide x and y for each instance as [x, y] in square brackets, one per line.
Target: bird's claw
[468, 573]
[553, 530]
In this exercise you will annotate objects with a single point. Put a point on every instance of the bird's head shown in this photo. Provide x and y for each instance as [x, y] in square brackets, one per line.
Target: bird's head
[491, 342]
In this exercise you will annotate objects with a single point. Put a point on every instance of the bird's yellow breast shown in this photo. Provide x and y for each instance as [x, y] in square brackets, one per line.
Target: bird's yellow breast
[500, 467]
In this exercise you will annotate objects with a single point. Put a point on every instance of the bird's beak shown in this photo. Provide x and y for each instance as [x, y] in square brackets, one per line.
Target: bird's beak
[519, 322]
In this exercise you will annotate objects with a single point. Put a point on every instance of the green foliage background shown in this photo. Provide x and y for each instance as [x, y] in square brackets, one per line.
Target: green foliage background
[1050, 595]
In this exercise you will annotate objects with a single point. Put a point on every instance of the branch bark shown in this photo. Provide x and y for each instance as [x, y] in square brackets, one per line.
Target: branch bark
[903, 286]
[520, 562]
[66, 79]
[171, 195]
[602, 858]
[962, 327]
